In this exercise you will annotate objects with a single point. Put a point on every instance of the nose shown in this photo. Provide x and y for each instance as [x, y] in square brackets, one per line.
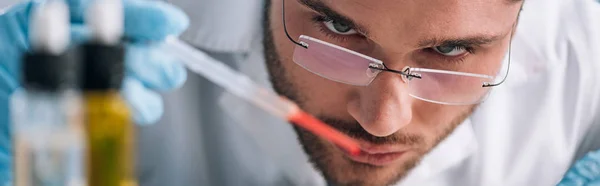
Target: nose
[383, 107]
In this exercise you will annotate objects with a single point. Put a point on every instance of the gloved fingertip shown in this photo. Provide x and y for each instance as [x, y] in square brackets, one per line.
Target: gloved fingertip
[155, 68]
[176, 74]
[177, 18]
[153, 20]
[146, 106]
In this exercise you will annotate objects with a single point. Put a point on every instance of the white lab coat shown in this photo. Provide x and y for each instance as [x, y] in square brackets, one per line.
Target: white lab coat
[528, 132]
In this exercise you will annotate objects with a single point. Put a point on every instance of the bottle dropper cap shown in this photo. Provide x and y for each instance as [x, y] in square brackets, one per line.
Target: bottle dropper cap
[51, 65]
[105, 54]
[104, 66]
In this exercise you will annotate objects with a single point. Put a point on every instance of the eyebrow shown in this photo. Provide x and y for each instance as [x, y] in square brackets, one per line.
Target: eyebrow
[476, 40]
[322, 8]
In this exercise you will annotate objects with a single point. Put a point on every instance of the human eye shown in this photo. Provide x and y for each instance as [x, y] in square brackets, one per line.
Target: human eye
[448, 54]
[334, 28]
[339, 27]
[450, 50]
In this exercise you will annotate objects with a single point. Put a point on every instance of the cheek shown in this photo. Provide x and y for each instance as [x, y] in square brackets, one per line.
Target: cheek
[434, 120]
[319, 95]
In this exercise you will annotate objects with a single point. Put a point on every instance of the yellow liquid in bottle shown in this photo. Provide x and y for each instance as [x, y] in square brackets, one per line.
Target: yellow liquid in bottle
[111, 148]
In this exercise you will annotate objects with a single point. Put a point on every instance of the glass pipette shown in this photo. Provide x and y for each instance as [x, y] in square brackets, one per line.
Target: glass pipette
[241, 86]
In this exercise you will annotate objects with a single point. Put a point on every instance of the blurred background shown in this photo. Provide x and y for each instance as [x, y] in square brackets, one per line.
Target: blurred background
[197, 143]
[169, 151]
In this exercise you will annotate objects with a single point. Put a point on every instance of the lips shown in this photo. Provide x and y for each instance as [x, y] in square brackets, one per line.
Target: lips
[377, 155]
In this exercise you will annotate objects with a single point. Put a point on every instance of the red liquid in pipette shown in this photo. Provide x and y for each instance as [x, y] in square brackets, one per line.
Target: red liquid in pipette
[323, 130]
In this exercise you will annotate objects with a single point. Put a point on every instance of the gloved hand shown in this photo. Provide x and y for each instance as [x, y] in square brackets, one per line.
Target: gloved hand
[148, 69]
[586, 171]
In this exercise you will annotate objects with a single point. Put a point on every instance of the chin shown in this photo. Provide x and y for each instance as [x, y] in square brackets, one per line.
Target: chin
[346, 171]
[339, 169]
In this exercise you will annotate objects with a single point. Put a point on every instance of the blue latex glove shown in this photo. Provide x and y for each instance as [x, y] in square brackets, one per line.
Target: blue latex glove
[148, 70]
[586, 171]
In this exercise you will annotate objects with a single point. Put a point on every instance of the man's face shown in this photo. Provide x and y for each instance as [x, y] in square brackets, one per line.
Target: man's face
[395, 129]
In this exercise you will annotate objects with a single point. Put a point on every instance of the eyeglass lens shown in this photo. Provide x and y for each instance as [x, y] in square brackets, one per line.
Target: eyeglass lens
[346, 66]
[334, 62]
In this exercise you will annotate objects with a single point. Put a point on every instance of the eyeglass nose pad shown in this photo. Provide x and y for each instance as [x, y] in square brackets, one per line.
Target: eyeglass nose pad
[406, 78]
[373, 70]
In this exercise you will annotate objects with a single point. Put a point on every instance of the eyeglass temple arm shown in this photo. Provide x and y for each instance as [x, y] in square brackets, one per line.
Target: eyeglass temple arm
[285, 27]
[486, 84]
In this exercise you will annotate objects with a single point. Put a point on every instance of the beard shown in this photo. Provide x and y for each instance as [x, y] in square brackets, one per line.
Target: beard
[324, 156]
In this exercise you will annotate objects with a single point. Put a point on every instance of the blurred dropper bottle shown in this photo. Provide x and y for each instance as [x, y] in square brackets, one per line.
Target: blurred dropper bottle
[109, 128]
[46, 118]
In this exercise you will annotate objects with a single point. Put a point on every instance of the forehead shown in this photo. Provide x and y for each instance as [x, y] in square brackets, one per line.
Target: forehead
[413, 18]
